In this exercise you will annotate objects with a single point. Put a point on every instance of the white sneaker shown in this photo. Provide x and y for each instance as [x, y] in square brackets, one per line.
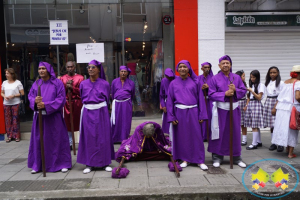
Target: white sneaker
[216, 164]
[87, 170]
[184, 164]
[108, 169]
[64, 170]
[33, 172]
[203, 167]
[242, 164]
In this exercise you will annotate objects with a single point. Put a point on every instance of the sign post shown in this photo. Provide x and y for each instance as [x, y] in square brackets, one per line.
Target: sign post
[59, 35]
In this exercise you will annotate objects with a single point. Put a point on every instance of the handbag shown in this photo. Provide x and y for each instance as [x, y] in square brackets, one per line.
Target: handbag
[21, 107]
[295, 115]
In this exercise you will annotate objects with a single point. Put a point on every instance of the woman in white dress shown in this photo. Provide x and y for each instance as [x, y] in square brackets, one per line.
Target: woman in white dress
[282, 134]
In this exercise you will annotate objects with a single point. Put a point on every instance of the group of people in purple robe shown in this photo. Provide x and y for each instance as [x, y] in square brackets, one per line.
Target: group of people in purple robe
[191, 109]
[90, 99]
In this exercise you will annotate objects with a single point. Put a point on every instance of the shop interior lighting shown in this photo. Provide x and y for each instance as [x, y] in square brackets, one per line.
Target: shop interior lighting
[81, 10]
[13, 45]
[108, 9]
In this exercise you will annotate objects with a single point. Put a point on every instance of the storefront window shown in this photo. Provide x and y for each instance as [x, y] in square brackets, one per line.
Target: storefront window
[134, 26]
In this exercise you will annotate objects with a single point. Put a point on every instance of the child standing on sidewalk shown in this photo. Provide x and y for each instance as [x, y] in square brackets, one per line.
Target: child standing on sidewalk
[254, 108]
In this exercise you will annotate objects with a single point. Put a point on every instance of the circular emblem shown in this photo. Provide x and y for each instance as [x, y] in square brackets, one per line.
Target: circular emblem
[167, 19]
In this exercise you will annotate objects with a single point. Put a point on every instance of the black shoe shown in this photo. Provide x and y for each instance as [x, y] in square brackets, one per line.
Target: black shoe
[280, 148]
[71, 147]
[251, 147]
[259, 144]
[273, 147]
[205, 140]
[243, 143]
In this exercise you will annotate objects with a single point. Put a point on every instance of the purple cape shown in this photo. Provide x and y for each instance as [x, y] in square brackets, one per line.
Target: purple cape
[217, 88]
[138, 143]
[95, 145]
[56, 141]
[187, 141]
[203, 80]
[121, 130]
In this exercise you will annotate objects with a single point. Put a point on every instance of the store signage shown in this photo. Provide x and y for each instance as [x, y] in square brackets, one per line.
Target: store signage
[86, 52]
[262, 20]
[37, 32]
[128, 39]
[167, 19]
[59, 32]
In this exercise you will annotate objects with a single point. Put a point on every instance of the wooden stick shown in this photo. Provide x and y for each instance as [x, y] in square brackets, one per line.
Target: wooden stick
[41, 135]
[177, 174]
[207, 126]
[71, 120]
[120, 165]
[231, 132]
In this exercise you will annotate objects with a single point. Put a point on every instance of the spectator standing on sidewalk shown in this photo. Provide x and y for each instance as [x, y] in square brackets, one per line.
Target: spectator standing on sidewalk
[71, 82]
[11, 90]
[289, 95]
[56, 141]
[273, 85]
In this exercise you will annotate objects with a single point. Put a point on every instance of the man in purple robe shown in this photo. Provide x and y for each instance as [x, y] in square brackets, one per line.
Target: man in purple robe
[186, 110]
[164, 89]
[95, 145]
[223, 86]
[122, 93]
[204, 81]
[56, 140]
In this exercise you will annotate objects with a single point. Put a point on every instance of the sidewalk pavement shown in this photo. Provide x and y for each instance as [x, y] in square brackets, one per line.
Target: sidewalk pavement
[146, 180]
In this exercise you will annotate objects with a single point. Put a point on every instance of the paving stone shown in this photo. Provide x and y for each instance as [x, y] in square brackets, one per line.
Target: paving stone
[11, 186]
[70, 184]
[193, 180]
[104, 183]
[25, 176]
[45, 185]
[18, 161]
[163, 181]
[4, 161]
[157, 164]
[141, 182]
[160, 172]
[10, 155]
[75, 173]
[250, 160]
[236, 169]
[6, 175]
[135, 164]
[53, 175]
[221, 179]
[12, 168]
[191, 170]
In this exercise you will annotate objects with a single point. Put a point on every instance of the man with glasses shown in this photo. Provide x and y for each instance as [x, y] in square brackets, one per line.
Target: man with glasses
[71, 82]
[95, 145]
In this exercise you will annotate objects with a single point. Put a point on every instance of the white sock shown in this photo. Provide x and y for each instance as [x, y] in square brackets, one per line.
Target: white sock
[244, 138]
[259, 138]
[255, 138]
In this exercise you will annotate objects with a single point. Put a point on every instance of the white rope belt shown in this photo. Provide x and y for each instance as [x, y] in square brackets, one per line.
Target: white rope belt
[113, 110]
[91, 107]
[215, 132]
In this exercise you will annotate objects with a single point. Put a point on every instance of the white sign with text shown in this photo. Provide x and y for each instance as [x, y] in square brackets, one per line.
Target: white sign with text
[86, 52]
[59, 32]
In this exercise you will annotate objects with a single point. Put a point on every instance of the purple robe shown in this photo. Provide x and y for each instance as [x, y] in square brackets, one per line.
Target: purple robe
[217, 88]
[187, 141]
[138, 143]
[95, 146]
[164, 89]
[209, 105]
[56, 140]
[123, 110]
